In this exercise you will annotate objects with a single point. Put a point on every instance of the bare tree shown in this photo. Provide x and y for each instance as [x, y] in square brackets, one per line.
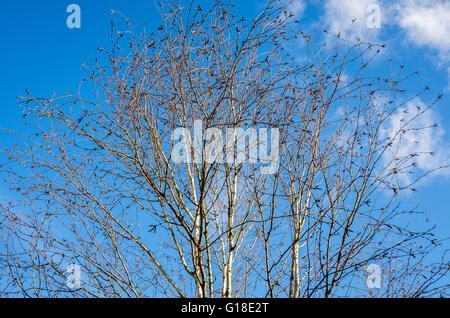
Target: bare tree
[97, 184]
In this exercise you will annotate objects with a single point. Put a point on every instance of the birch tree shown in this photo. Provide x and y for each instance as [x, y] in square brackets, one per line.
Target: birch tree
[97, 184]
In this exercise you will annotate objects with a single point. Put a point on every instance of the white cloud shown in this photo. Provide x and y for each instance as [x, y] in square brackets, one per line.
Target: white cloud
[352, 18]
[297, 7]
[420, 137]
[427, 23]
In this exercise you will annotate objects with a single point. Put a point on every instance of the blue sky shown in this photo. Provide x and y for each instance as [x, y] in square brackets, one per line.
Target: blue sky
[40, 53]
